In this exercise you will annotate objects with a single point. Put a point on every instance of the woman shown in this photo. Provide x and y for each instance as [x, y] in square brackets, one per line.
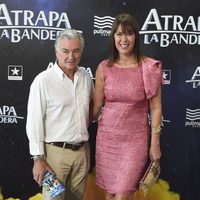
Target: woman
[128, 86]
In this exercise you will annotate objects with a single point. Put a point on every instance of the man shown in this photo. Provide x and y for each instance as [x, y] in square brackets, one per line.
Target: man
[58, 117]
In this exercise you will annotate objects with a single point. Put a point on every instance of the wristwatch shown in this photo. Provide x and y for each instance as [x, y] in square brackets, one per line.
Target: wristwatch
[38, 157]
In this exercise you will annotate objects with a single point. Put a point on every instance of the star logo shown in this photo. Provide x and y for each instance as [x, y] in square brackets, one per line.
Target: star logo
[15, 72]
[166, 76]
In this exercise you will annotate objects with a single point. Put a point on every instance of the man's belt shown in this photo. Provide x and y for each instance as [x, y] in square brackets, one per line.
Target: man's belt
[65, 145]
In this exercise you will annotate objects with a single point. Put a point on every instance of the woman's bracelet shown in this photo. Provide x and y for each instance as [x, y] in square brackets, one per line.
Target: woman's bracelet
[156, 130]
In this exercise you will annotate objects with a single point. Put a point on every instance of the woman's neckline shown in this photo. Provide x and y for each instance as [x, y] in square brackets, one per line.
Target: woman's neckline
[126, 67]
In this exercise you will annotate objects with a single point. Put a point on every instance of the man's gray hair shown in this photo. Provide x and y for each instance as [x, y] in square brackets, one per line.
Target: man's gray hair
[70, 34]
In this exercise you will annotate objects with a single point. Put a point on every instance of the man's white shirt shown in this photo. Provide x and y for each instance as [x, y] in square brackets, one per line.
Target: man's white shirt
[58, 108]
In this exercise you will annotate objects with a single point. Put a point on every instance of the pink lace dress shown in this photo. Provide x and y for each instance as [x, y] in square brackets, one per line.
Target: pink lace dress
[122, 137]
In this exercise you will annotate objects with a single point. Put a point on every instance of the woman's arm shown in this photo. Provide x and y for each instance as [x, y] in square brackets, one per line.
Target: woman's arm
[156, 119]
[98, 96]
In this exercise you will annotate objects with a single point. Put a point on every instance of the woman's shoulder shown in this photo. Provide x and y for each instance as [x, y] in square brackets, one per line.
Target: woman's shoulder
[152, 75]
[149, 61]
[104, 63]
[102, 69]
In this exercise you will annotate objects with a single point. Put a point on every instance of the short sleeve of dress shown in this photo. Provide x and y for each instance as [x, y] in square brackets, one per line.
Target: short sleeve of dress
[152, 76]
[103, 64]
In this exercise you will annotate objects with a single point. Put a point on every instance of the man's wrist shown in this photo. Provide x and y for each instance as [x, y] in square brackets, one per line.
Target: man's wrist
[38, 157]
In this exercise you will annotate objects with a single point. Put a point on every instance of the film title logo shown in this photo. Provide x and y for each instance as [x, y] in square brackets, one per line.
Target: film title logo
[166, 30]
[15, 72]
[103, 25]
[8, 115]
[17, 25]
[195, 80]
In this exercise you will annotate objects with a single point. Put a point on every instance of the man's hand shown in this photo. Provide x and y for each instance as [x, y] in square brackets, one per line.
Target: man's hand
[39, 167]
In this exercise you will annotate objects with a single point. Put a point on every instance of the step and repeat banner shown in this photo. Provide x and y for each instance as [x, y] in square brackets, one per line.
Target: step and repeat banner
[169, 31]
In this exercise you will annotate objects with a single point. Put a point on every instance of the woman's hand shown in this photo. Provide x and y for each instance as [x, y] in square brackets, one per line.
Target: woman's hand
[155, 154]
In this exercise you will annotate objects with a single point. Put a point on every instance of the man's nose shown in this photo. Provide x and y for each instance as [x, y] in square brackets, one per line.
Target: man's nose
[71, 55]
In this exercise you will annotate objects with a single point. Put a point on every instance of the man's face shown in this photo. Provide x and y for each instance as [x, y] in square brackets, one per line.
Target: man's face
[68, 53]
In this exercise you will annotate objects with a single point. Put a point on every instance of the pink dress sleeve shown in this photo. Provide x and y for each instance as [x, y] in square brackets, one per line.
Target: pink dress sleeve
[152, 76]
[103, 65]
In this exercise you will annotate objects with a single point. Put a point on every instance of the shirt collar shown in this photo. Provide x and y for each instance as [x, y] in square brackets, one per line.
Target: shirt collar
[60, 73]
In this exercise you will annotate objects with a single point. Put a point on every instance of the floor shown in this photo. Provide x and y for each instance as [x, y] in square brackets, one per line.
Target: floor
[93, 192]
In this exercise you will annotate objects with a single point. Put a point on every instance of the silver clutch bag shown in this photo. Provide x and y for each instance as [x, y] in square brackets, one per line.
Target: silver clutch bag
[150, 177]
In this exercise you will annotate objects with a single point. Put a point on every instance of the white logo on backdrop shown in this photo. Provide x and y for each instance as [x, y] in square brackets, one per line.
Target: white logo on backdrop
[103, 25]
[166, 77]
[89, 71]
[8, 115]
[193, 117]
[195, 80]
[35, 25]
[166, 30]
[15, 72]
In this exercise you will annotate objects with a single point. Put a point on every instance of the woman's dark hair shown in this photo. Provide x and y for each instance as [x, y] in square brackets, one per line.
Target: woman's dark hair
[129, 25]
